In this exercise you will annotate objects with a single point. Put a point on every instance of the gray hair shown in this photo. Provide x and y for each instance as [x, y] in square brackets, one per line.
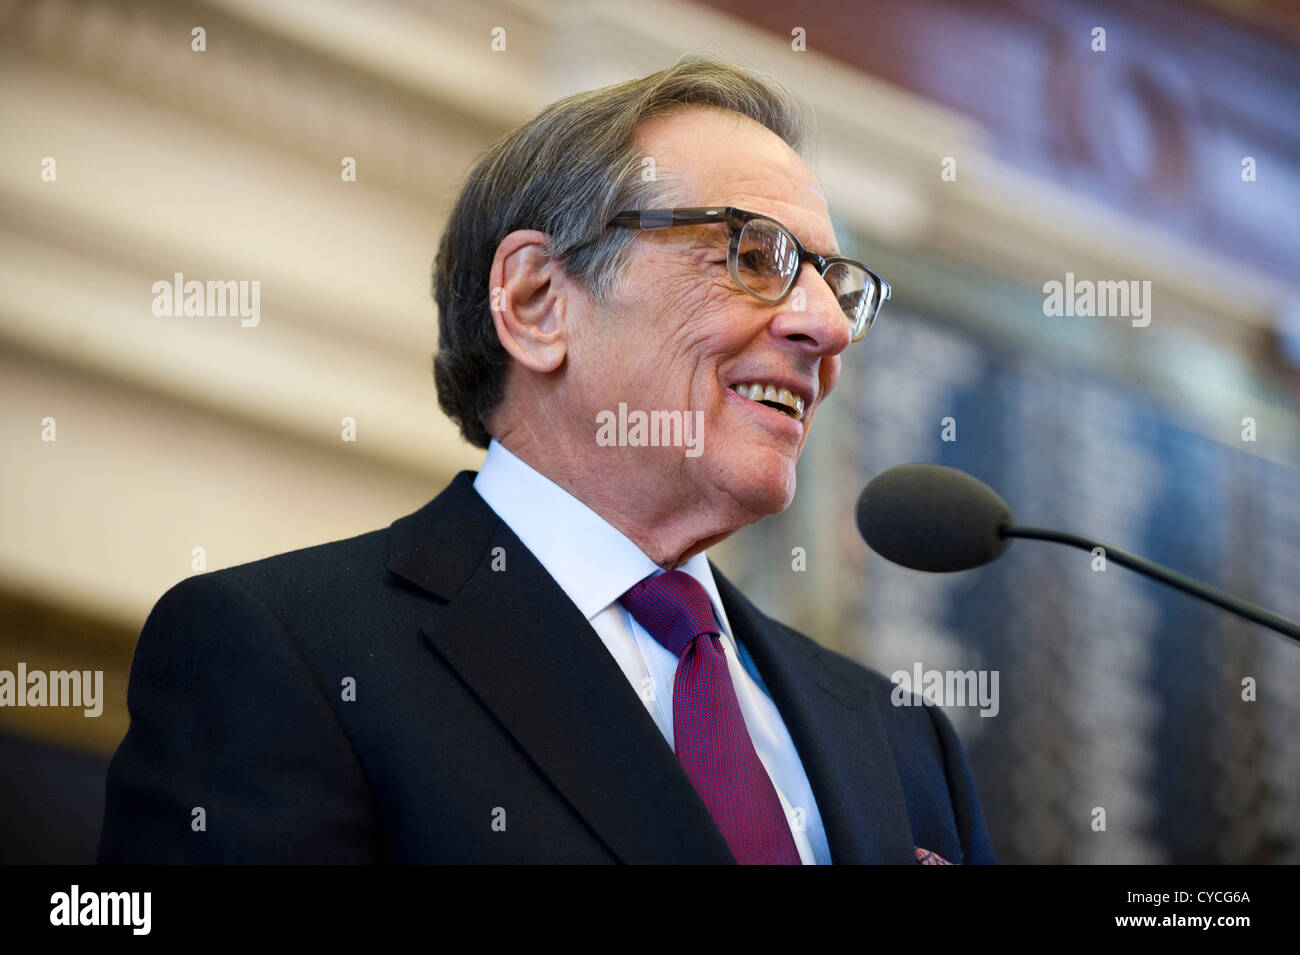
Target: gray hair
[566, 173]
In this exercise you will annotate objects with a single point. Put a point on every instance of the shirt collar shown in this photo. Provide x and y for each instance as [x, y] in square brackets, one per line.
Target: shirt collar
[593, 562]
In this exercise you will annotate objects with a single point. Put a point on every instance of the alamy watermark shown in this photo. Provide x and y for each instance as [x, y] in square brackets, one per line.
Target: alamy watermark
[946, 688]
[209, 299]
[75, 907]
[83, 688]
[1107, 299]
[651, 429]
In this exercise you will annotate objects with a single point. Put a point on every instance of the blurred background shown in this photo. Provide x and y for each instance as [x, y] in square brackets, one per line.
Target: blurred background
[972, 151]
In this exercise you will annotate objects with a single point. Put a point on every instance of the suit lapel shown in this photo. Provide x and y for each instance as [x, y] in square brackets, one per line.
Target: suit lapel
[531, 658]
[838, 734]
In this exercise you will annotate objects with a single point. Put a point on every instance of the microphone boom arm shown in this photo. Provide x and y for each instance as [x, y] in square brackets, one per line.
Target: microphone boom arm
[1163, 574]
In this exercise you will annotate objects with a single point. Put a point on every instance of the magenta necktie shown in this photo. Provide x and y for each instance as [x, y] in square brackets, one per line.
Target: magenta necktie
[712, 742]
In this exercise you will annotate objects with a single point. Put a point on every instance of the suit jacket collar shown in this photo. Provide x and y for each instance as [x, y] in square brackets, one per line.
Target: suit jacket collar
[439, 546]
[532, 658]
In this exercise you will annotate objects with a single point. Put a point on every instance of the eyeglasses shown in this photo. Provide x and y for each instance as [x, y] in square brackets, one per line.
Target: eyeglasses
[764, 259]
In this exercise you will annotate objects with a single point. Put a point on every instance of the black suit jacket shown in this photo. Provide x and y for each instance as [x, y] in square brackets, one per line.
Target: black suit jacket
[482, 697]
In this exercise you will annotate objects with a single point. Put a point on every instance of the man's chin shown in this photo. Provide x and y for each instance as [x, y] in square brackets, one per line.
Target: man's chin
[763, 493]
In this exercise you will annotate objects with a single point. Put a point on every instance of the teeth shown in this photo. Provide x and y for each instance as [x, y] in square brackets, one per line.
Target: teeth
[783, 396]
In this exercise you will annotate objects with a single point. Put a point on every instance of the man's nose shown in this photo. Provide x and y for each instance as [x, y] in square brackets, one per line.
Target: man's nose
[811, 315]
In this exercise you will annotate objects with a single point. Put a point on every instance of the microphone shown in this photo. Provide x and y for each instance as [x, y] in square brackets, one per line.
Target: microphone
[938, 519]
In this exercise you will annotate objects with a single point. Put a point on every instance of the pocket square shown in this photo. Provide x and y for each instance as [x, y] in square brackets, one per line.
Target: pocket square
[926, 857]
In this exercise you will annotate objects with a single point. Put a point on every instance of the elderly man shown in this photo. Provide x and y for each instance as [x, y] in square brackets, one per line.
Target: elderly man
[642, 304]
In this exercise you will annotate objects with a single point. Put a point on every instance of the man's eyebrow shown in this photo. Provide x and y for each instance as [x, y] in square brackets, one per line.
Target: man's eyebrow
[833, 244]
[708, 237]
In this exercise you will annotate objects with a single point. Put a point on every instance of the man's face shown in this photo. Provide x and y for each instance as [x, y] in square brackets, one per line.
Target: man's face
[678, 335]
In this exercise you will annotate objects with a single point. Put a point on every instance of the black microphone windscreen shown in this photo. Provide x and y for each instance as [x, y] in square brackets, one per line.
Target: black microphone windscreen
[932, 518]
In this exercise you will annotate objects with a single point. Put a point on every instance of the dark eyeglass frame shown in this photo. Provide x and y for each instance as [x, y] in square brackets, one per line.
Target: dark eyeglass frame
[735, 220]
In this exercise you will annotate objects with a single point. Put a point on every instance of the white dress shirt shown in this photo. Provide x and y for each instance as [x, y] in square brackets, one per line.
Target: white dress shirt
[595, 564]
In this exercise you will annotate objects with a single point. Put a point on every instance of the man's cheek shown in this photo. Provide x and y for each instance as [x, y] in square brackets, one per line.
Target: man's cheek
[683, 301]
[694, 346]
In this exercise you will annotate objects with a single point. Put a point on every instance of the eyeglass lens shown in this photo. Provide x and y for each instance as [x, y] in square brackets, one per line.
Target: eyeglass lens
[767, 260]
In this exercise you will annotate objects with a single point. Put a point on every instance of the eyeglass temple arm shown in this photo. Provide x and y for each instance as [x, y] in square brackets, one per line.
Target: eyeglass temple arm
[646, 219]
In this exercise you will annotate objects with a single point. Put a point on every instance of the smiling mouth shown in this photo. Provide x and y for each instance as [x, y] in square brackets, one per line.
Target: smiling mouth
[782, 399]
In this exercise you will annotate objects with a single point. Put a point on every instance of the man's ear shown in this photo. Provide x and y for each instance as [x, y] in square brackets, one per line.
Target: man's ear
[528, 301]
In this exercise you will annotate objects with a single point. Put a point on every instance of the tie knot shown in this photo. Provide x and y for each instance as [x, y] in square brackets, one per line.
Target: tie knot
[673, 608]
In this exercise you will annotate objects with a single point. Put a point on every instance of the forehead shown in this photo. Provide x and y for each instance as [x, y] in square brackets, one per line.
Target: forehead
[713, 157]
